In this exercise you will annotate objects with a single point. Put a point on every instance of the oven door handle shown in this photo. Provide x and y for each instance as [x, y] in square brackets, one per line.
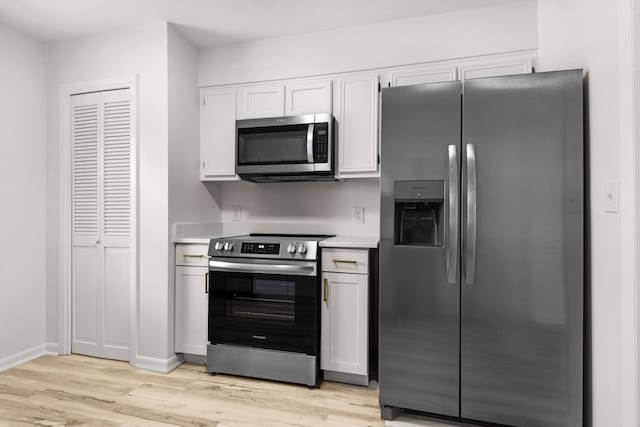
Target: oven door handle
[306, 269]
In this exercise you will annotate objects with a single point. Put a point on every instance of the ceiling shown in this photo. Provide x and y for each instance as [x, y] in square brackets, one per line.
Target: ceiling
[215, 22]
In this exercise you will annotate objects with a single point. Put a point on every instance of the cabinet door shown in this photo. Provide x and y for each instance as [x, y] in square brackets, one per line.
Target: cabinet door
[496, 67]
[345, 310]
[357, 137]
[191, 310]
[259, 101]
[420, 75]
[308, 98]
[218, 134]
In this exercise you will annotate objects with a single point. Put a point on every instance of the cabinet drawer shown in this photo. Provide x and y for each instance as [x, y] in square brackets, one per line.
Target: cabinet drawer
[345, 260]
[192, 255]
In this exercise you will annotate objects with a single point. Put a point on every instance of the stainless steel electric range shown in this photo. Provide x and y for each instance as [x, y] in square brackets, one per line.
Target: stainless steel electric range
[264, 307]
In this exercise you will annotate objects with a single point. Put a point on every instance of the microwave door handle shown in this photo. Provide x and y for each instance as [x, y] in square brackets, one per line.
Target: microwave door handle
[310, 143]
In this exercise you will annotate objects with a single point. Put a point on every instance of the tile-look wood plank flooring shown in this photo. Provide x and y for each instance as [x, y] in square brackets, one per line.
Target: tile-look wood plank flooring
[78, 390]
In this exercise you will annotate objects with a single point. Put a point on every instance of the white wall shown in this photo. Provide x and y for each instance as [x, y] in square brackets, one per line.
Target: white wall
[596, 36]
[190, 201]
[123, 52]
[481, 31]
[22, 188]
[297, 207]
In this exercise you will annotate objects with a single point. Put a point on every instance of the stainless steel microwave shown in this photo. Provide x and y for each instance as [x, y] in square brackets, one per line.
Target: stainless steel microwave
[296, 148]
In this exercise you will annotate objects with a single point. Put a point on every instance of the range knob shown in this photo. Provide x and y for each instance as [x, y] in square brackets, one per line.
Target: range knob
[302, 248]
[228, 246]
[218, 246]
[291, 248]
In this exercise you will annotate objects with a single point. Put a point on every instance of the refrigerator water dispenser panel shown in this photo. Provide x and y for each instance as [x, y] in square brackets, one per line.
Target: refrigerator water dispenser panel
[419, 213]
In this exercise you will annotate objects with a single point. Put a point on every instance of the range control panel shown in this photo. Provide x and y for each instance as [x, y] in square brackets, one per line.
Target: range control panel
[265, 247]
[260, 248]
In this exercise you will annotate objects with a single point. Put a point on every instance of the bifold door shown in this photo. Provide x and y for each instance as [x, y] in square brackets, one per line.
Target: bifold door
[101, 203]
[522, 227]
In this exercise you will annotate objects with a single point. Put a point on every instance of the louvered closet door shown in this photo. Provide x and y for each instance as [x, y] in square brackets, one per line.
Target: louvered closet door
[85, 132]
[101, 215]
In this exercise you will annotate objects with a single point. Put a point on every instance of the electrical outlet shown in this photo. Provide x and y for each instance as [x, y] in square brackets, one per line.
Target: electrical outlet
[358, 215]
[237, 213]
[611, 197]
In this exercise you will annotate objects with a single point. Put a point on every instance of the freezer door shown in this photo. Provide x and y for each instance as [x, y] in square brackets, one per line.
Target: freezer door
[419, 308]
[522, 258]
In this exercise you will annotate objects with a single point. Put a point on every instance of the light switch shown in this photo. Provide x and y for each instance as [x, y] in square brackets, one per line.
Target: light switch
[237, 213]
[611, 197]
[358, 215]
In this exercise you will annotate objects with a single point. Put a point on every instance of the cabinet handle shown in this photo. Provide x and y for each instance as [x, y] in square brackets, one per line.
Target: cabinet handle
[192, 256]
[206, 282]
[326, 290]
[344, 261]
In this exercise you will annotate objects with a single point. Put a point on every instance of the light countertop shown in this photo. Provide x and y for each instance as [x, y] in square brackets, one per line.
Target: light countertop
[334, 242]
[196, 240]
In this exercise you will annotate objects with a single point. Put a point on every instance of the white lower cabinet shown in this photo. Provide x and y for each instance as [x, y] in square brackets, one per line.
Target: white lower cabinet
[344, 343]
[191, 300]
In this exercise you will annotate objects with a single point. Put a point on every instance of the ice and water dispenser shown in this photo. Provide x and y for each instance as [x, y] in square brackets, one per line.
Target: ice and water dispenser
[419, 213]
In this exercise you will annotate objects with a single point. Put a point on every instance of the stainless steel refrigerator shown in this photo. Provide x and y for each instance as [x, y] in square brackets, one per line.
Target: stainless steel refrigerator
[481, 256]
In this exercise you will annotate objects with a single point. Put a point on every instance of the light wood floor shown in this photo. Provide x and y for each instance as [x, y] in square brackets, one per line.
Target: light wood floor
[78, 390]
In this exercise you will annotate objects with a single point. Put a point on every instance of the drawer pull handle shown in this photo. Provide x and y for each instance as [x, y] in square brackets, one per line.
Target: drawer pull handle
[326, 290]
[192, 256]
[344, 261]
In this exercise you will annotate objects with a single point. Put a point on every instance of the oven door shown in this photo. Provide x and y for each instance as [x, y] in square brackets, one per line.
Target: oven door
[264, 304]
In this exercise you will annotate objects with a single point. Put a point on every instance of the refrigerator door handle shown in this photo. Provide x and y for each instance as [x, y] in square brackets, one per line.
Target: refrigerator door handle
[470, 262]
[454, 220]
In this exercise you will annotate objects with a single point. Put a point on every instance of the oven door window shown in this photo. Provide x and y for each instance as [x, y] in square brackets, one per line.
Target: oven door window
[267, 311]
[260, 299]
[273, 145]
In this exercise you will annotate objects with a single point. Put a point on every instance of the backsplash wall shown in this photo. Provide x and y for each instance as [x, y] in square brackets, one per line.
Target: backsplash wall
[302, 207]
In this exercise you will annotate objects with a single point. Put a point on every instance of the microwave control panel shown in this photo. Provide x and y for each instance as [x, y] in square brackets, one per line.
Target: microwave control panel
[321, 142]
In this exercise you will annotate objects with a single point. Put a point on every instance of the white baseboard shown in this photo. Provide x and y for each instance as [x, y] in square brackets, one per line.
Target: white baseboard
[51, 349]
[154, 364]
[22, 357]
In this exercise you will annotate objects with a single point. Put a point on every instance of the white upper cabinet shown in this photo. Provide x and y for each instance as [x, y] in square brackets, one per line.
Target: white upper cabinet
[218, 134]
[419, 75]
[308, 98]
[259, 101]
[357, 136]
[353, 98]
[476, 69]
